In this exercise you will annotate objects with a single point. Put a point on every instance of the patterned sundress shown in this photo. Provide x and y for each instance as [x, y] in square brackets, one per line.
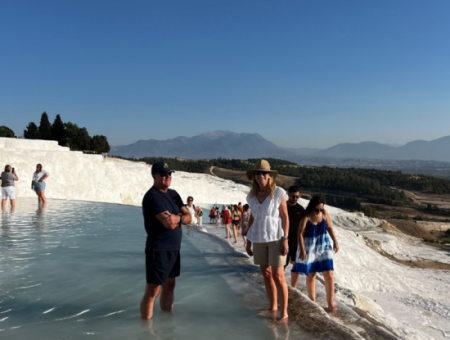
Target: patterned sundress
[319, 252]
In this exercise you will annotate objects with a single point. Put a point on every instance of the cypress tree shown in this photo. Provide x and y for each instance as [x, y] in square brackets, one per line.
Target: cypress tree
[31, 132]
[45, 127]
[58, 130]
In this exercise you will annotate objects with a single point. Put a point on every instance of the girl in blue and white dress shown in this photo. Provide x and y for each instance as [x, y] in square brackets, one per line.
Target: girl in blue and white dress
[315, 253]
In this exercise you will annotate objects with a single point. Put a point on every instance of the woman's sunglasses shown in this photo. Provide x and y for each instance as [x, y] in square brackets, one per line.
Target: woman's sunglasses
[319, 210]
[264, 173]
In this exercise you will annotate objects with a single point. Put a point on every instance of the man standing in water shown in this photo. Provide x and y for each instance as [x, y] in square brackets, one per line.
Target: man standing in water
[295, 211]
[164, 212]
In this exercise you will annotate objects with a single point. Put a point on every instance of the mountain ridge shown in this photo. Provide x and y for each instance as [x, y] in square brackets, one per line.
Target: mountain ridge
[228, 144]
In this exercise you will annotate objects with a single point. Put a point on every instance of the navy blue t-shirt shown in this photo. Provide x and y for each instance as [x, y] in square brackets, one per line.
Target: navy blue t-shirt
[154, 203]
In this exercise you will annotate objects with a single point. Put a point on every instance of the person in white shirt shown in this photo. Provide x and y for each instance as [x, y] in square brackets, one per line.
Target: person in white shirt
[194, 211]
[38, 183]
[268, 234]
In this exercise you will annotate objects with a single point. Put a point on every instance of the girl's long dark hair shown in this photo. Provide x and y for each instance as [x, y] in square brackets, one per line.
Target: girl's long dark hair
[316, 200]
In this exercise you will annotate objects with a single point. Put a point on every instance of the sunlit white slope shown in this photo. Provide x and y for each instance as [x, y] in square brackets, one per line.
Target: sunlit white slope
[77, 176]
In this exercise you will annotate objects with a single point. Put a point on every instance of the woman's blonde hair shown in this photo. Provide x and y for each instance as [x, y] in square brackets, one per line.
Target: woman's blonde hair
[8, 168]
[255, 187]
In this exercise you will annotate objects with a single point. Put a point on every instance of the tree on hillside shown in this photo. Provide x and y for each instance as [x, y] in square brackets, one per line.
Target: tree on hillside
[31, 132]
[77, 138]
[6, 132]
[58, 130]
[45, 127]
[99, 144]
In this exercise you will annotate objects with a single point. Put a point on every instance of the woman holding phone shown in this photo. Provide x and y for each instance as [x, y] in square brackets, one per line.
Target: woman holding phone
[315, 253]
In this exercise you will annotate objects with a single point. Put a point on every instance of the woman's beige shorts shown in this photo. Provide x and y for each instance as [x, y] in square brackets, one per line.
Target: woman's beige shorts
[269, 254]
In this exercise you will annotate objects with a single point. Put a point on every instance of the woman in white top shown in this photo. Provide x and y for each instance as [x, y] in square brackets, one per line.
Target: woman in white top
[267, 232]
[38, 183]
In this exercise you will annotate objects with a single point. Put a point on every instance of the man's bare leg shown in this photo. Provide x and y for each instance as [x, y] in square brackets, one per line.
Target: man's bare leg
[3, 203]
[166, 300]
[148, 301]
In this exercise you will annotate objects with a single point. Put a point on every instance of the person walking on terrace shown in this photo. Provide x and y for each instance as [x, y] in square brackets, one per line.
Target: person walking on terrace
[164, 213]
[315, 254]
[295, 212]
[236, 221]
[38, 183]
[9, 176]
[268, 234]
[226, 216]
[244, 225]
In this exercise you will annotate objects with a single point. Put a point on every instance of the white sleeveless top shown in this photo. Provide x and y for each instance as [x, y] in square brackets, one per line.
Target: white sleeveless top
[267, 226]
[193, 213]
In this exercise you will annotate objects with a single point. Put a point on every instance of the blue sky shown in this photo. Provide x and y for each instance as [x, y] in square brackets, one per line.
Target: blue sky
[300, 73]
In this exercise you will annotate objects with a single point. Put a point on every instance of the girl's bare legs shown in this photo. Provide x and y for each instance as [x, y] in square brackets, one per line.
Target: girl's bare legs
[329, 288]
[311, 286]
[235, 233]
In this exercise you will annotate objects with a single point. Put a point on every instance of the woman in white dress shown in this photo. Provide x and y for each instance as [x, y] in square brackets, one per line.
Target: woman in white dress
[268, 234]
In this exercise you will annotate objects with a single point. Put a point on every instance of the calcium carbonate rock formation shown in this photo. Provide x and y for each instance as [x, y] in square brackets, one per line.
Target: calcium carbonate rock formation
[78, 176]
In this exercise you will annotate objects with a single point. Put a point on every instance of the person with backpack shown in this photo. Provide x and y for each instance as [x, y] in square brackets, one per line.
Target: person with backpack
[193, 210]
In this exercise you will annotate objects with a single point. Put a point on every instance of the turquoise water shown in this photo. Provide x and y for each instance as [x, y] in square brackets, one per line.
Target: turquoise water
[76, 270]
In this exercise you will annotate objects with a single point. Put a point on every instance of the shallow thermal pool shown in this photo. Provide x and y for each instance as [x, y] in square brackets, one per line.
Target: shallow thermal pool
[76, 270]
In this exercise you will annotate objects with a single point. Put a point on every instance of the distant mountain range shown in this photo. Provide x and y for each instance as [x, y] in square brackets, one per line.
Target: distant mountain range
[227, 144]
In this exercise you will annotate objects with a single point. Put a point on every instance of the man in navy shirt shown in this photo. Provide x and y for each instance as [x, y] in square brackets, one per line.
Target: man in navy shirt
[164, 212]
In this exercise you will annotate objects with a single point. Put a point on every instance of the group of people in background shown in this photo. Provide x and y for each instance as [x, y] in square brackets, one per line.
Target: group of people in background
[235, 218]
[9, 177]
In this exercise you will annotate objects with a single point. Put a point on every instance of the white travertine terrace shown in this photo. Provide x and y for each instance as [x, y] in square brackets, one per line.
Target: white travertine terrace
[78, 176]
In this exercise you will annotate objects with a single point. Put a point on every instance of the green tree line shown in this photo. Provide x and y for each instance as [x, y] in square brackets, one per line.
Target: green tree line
[66, 134]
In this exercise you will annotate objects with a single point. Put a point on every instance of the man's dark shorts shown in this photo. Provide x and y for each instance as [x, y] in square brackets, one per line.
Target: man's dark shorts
[160, 265]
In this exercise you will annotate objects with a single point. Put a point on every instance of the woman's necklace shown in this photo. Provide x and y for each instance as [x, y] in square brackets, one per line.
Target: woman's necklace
[262, 193]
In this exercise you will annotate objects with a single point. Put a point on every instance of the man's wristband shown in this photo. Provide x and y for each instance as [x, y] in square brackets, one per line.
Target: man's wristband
[285, 237]
[181, 220]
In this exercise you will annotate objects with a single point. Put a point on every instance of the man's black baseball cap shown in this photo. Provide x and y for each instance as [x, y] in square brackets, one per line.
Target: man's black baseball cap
[161, 168]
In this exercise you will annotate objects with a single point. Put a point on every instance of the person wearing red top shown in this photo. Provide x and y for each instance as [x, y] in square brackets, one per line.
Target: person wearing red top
[226, 215]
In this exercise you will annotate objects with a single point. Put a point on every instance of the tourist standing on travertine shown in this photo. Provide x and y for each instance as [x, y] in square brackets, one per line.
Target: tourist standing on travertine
[295, 211]
[193, 210]
[164, 212]
[245, 219]
[226, 216]
[268, 233]
[236, 220]
[38, 183]
[315, 254]
[8, 189]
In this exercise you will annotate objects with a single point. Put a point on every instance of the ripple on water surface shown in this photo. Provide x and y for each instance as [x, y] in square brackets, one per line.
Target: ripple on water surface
[76, 269]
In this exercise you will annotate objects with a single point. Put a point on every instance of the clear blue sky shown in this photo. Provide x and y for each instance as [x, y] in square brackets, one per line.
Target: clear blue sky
[300, 73]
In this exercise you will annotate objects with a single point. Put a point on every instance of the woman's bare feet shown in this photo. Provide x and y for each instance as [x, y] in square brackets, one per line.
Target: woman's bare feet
[283, 321]
[266, 311]
[332, 308]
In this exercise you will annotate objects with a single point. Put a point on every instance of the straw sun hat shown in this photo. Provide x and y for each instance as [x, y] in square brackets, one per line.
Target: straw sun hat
[261, 165]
